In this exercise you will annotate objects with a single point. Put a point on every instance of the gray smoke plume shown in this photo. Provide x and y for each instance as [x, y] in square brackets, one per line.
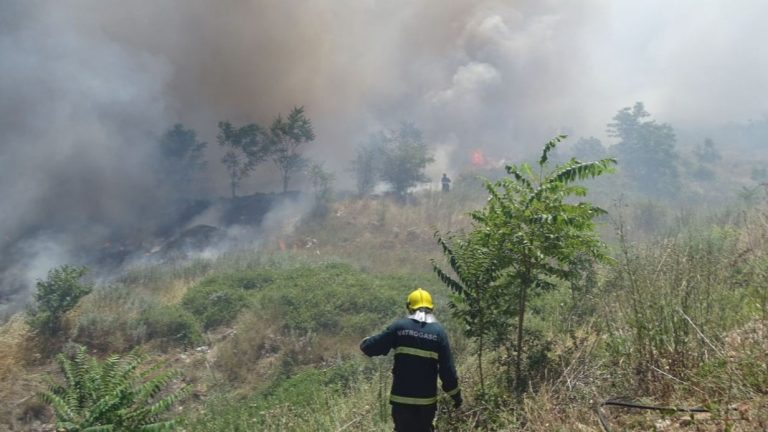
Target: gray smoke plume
[87, 86]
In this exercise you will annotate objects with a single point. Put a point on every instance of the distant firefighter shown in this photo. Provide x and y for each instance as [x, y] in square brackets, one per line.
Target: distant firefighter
[446, 182]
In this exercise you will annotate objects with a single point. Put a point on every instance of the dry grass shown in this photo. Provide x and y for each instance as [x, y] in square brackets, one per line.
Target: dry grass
[12, 335]
[174, 291]
[382, 235]
[18, 382]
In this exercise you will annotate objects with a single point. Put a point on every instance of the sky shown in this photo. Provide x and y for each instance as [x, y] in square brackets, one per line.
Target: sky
[88, 86]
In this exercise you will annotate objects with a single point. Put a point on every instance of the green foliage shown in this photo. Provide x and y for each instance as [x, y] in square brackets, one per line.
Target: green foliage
[215, 301]
[55, 296]
[528, 236]
[117, 394]
[107, 320]
[322, 184]
[302, 389]
[476, 271]
[750, 196]
[287, 136]
[326, 298]
[703, 173]
[172, 324]
[106, 331]
[310, 400]
[707, 152]
[647, 151]
[759, 173]
[588, 149]
[331, 299]
[366, 166]
[404, 155]
[246, 146]
[181, 159]
[675, 299]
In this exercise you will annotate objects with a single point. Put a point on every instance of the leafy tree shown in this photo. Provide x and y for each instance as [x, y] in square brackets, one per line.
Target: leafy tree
[403, 159]
[366, 165]
[759, 173]
[321, 180]
[116, 394]
[529, 235]
[707, 152]
[55, 296]
[181, 158]
[322, 184]
[750, 196]
[647, 150]
[288, 135]
[704, 173]
[476, 271]
[588, 149]
[247, 147]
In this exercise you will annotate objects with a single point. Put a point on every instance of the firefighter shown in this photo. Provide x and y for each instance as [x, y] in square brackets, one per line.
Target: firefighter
[422, 353]
[446, 182]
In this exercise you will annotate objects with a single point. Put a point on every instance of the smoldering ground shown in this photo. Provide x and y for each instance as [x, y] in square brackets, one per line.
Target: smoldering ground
[88, 86]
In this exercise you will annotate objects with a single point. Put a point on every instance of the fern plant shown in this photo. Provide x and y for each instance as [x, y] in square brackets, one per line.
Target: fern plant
[116, 394]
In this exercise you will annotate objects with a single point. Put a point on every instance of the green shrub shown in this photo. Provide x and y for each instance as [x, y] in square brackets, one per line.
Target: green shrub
[218, 299]
[172, 324]
[55, 296]
[333, 299]
[107, 320]
[108, 332]
[304, 401]
[214, 303]
[249, 280]
[675, 300]
[308, 315]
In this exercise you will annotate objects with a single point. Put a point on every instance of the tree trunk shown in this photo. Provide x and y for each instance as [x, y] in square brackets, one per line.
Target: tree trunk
[480, 341]
[480, 364]
[233, 185]
[519, 385]
[285, 181]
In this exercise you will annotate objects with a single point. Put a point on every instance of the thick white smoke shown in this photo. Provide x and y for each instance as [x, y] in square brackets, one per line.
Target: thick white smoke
[87, 86]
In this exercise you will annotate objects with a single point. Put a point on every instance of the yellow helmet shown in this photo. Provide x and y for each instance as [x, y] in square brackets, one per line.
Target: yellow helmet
[419, 299]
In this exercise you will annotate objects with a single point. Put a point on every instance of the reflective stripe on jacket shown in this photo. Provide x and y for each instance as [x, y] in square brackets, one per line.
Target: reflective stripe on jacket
[422, 353]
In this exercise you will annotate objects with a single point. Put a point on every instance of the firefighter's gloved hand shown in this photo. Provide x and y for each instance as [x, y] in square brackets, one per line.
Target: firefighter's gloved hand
[457, 401]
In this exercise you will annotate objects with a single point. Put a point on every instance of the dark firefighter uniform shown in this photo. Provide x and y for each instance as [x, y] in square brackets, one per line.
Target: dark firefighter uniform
[422, 353]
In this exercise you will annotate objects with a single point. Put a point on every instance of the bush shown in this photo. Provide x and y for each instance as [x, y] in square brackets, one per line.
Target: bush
[106, 319]
[214, 303]
[172, 324]
[311, 400]
[240, 357]
[108, 332]
[55, 296]
[670, 293]
[218, 299]
[333, 299]
[309, 315]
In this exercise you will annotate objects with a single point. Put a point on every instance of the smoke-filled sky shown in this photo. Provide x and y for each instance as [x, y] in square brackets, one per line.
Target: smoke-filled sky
[87, 86]
[98, 75]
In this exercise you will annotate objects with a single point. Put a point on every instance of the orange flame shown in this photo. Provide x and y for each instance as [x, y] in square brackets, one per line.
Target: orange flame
[478, 159]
